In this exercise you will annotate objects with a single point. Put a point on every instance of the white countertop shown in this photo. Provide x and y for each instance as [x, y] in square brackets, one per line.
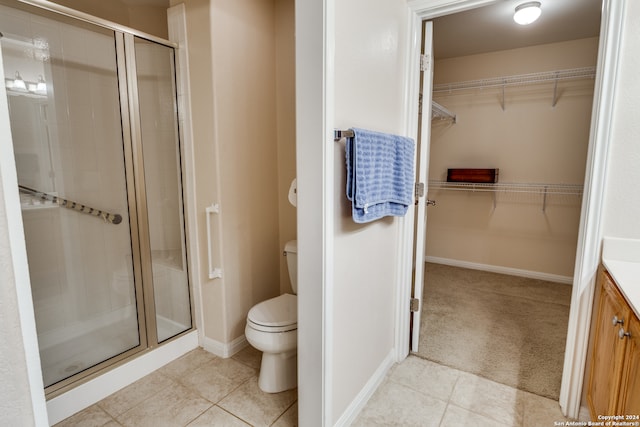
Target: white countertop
[621, 258]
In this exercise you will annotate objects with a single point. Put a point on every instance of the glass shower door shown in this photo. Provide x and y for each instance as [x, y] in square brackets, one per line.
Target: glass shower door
[160, 146]
[78, 212]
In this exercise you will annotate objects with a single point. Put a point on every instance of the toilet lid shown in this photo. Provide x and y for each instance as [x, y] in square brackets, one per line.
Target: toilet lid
[274, 312]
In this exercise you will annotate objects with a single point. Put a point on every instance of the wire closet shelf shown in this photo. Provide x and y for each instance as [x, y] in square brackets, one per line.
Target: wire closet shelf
[540, 191]
[537, 188]
[515, 80]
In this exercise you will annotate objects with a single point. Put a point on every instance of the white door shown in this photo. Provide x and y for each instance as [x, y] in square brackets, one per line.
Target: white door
[426, 65]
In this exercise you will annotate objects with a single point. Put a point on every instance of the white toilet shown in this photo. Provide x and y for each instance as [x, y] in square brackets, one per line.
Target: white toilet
[272, 327]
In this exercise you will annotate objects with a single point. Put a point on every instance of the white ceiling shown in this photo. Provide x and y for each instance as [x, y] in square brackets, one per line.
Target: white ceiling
[492, 28]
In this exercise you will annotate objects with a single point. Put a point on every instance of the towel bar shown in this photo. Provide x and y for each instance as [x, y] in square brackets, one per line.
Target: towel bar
[339, 134]
[70, 204]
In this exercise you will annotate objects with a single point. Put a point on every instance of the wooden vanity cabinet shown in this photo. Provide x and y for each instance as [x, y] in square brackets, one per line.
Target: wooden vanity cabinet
[629, 398]
[614, 383]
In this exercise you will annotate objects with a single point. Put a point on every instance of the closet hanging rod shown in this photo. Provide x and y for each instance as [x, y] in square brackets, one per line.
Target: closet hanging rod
[339, 134]
[542, 77]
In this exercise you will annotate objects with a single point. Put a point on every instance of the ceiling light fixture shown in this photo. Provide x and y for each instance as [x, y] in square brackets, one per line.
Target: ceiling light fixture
[526, 13]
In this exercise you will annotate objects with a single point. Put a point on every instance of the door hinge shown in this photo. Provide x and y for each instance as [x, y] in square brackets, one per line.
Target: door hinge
[425, 62]
[414, 305]
[419, 189]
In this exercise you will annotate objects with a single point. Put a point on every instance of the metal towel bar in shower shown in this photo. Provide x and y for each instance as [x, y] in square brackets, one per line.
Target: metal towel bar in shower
[70, 204]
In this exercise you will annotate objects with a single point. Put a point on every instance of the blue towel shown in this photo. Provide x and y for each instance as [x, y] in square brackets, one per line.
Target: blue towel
[380, 174]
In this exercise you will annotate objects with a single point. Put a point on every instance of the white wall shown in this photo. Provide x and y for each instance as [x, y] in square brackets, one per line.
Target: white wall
[312, 152]
[369, 70]
[622, 195]
[22, 399]
[531, 141]
[232, 65]
[243, 54]
[15, 399]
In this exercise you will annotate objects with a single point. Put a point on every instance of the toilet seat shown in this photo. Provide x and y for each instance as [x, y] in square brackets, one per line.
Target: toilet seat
[279, 314]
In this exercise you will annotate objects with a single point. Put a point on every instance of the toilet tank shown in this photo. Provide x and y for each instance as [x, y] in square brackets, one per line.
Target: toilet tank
[291, 252]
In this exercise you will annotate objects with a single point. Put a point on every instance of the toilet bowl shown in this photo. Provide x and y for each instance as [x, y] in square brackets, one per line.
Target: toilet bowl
[272, 327]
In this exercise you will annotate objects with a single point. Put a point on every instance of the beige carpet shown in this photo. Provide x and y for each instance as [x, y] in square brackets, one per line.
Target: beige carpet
[508, 329]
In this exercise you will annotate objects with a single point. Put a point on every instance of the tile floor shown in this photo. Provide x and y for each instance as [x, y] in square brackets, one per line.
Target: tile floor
[200, 389]
[418, 392]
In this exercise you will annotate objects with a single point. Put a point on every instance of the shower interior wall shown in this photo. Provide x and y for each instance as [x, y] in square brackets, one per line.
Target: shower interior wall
[241, 65]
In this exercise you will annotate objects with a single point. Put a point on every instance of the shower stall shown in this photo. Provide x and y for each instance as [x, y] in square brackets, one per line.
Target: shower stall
[93, 113]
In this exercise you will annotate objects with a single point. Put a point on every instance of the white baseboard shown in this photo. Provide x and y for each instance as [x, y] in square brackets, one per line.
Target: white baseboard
[502, 270]
[356, 406]
[85, 395]
[224, 350]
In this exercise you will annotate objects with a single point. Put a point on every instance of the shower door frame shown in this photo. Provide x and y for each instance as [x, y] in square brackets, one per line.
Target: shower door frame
[124, 38]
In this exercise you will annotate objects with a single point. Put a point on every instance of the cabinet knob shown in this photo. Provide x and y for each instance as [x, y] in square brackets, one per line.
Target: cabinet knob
[615, 321]
[622, 333]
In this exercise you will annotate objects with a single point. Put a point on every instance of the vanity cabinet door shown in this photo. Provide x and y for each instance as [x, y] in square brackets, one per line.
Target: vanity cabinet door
[629, 399]
[608, 350]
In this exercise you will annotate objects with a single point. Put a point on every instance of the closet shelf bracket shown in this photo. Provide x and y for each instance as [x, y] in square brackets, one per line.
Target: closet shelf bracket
[437, 111]
[441, 113]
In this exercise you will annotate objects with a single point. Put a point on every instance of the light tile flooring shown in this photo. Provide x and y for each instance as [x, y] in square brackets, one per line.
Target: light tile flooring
[418, 392]
[200, 389]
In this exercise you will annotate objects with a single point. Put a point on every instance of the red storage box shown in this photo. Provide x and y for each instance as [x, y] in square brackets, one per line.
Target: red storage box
[481, 176]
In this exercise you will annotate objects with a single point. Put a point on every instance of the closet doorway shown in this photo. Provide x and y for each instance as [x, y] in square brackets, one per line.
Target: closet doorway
[500, 256]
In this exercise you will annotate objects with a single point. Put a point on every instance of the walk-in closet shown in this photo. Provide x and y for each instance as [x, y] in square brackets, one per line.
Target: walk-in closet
[513, 104]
